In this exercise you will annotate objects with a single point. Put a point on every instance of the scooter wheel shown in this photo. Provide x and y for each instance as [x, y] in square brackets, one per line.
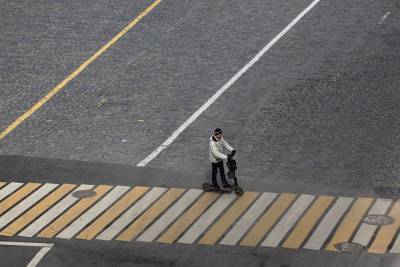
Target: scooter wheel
[206, 187]
[239, 191]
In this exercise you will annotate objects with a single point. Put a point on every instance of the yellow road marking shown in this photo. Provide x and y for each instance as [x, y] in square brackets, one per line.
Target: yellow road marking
[150, 215]
[387, 232]
[350, 222]
[111, 214]
[83, 66]
[183, 223]
[73, 212]
[38, 209]
[268, 219]
[17, 196]
[2, 184]
[233, 213]
[306, 224]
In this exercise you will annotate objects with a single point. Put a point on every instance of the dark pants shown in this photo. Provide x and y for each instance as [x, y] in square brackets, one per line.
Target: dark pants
[215, 167]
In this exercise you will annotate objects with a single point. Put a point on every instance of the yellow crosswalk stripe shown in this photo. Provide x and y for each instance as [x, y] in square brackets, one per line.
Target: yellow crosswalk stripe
[2, 184]
[150, 215]
[184, 222]
[17, 196]
[268, 219]
[387, 232]
[350, 222]
[112, 213]
[73, 212]
[37, 210]
[231, 215]
[307, 223]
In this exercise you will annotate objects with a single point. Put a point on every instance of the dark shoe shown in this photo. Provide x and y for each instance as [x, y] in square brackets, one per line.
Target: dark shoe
[227, 186]
[216, 187]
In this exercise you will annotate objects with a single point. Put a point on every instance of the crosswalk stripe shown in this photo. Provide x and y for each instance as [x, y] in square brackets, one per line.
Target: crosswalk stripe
[72, 213]
[396, 245]
[21, 193]
[151, 214]
[2, 184]
[386, 232]
[366, 231]
[93, 212]
[131, 214]
[248, 219]
[306, 224]
[38, 209]
[265, 223]
[288, 220]
[25, 204]
[112, 213]
[328, 223]
[8, 189]
[184, 222]
[230, 216]
[170, 215]
[350, 222]
[53, 213]
[206, 219]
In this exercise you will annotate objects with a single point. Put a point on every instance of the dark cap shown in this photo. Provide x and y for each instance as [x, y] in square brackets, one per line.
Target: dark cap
[217, 131]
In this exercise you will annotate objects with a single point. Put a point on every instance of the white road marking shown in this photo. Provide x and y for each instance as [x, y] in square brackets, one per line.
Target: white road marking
[206, 219]
[93, 212]
[247, 220]
[26, 204]
[38, 257]
[366, 231]
[169, 216]
[287, 221]
[131, 214]
[53, 213]
[8, 189]
[328, 223]
[384, 17]
[225, 87]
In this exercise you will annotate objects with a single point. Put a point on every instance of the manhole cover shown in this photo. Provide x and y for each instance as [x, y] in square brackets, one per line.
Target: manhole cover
[349, 247]
[84, 193]
[378, 219]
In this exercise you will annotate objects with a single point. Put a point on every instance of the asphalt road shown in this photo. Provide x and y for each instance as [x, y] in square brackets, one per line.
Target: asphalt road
[319, 111]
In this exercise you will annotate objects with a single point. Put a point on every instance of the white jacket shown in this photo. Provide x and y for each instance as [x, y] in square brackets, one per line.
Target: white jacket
[216, 149]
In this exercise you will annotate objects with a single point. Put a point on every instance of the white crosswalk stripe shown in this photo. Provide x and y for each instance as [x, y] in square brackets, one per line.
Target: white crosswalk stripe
[192, 217]
[366, 231]
[169, 216]
[26, 204]
[247, 220]
[328, 223]
[287, 221]
[206, 219]
[131, 214]
[8, 189]
[53, 213]
[93, 212]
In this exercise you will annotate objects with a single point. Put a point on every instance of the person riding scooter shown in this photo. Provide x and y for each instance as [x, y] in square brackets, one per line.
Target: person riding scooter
[216, 152]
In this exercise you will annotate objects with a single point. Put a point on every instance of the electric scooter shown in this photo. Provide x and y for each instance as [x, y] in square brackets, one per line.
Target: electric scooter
[231, 164]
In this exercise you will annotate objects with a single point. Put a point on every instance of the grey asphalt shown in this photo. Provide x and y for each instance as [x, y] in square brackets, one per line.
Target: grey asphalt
[318, 112]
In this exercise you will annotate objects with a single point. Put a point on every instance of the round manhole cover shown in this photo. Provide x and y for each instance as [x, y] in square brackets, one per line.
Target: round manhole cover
[378, 219]
[349, 247]
[84, 193]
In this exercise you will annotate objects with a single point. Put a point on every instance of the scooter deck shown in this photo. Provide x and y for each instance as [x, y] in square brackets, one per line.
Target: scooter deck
[209, 188]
